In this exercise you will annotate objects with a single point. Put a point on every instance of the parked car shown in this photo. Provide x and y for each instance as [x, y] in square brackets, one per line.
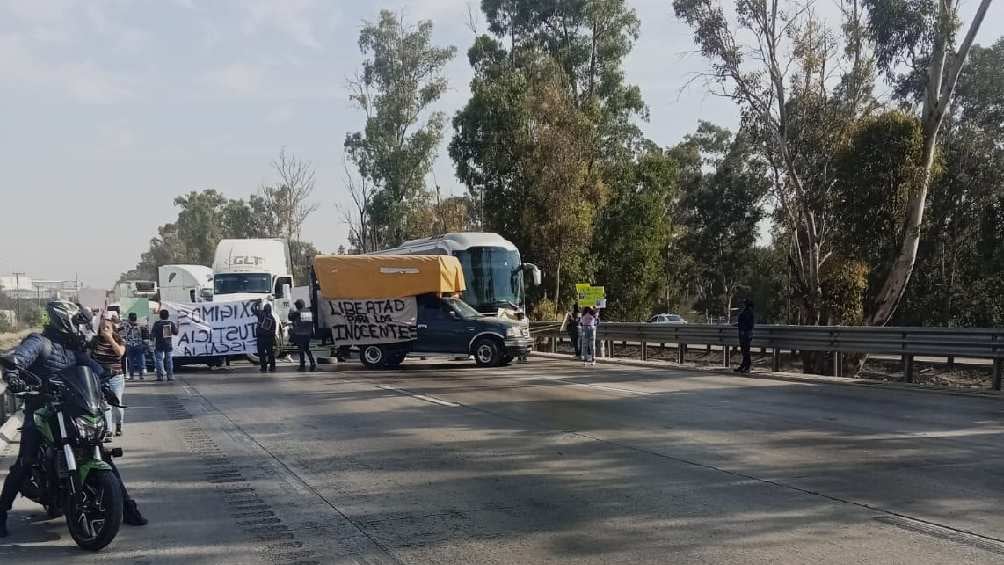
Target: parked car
[667, 319]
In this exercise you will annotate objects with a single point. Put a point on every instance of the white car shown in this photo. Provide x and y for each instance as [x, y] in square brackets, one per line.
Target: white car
[667, 319]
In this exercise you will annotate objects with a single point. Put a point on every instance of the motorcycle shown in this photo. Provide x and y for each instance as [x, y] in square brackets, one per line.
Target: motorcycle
[70, 475]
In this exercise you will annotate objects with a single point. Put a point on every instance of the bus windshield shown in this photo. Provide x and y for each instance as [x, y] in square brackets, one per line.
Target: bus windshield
[494, 278]
[232, 283]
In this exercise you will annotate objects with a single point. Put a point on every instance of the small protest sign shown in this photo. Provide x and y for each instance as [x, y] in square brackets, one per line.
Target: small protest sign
[362, 322]
[589, 295]
[210, 329]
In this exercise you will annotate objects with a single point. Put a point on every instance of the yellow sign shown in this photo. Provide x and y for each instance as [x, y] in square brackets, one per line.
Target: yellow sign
[592, 296]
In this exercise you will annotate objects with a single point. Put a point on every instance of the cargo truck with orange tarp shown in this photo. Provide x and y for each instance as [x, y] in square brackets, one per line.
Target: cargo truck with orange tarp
[390, 306]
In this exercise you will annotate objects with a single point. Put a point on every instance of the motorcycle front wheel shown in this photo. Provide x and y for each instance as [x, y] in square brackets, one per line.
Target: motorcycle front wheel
[94, 516]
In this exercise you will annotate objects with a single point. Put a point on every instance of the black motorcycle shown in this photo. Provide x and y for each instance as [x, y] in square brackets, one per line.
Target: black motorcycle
[71, 476]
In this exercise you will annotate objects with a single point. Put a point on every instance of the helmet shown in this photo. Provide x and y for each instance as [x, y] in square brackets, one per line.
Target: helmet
[65, 320]
[62, 316]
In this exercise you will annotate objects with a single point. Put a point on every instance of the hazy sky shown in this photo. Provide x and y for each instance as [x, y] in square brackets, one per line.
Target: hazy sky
[111, 108]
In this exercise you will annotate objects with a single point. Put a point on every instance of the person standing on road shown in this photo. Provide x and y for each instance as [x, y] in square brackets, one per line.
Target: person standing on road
[587, 336]
[572, 328]
[135, 336]
[107, 351]
[746, 323]
[163, 345]
[303, 330]
[265, 334]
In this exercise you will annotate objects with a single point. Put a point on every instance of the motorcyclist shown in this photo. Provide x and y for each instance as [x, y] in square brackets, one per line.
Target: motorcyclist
[60, 346]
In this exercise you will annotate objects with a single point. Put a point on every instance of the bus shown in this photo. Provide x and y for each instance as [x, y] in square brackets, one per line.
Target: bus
[493, 269]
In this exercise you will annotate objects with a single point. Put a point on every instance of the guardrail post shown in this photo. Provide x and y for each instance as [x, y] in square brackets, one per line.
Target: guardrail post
[554, 344]
[726, 356]
[836, 363]
[998, 363]
[776, 360]
[681, 353]
[610, 345]
[951, 362]
[908, 367]
[644, 350]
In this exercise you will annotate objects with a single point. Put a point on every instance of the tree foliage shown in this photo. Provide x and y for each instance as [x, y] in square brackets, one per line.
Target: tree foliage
[723, 183]
[549, 139]
[206, 217]
[401, 77]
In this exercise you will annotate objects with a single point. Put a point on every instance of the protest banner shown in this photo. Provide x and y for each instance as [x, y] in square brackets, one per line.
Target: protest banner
[363, 322]
[210, 329]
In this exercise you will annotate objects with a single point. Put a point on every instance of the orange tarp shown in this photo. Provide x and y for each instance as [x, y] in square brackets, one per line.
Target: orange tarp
[387, 276]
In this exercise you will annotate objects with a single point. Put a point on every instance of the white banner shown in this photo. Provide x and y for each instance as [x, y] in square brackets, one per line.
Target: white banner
[208, 329]
[361, 322]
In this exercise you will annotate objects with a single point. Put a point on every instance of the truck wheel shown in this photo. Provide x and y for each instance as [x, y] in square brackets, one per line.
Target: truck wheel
[373, 356]
[487, 352]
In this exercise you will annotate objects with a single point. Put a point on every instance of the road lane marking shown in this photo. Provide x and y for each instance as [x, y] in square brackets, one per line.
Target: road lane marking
[419, 396]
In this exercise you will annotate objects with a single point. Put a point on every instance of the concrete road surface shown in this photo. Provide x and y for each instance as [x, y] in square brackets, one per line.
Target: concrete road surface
[548, 462]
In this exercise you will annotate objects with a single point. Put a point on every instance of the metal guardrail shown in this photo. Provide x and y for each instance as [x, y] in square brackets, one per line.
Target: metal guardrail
[907, 342]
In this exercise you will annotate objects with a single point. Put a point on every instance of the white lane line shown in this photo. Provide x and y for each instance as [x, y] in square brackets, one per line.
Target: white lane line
[632, 392]
[420, 396]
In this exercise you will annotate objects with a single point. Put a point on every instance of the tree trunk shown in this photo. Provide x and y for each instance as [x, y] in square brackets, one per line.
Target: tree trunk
[942, 76]
[557, 286]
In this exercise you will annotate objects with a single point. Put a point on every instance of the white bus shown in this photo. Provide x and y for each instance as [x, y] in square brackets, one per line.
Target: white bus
[493, 269]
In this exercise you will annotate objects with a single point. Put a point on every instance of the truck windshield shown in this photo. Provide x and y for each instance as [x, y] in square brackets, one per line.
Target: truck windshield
[232, 283]
[494, 278]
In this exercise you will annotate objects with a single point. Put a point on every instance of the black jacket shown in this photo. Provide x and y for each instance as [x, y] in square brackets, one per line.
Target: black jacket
[746, 320]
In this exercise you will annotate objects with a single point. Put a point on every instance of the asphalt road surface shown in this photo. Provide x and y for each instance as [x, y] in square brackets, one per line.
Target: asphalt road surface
[547, 462]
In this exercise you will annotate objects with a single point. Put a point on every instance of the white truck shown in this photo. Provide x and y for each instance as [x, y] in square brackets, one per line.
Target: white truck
[248, 269]
[185, 283]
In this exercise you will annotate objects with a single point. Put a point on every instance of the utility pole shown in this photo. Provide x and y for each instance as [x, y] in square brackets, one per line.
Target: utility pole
[17, 299]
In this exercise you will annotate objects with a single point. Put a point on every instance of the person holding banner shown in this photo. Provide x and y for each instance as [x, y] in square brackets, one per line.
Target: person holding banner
[163, 331]
[265, 334]
[303, 330]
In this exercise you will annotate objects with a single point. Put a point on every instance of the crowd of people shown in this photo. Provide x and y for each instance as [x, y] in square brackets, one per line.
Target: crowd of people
[581, 329]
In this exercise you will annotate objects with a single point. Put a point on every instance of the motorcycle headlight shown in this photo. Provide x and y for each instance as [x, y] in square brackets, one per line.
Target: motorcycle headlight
[90, 428]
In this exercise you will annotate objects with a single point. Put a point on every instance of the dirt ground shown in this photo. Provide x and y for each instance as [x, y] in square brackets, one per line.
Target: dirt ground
[930, 374]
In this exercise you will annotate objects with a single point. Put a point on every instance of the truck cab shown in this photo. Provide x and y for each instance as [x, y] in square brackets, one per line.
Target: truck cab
[450, 326]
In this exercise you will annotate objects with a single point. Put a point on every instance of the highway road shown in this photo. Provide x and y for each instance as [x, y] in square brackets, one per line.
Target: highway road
[549, 462]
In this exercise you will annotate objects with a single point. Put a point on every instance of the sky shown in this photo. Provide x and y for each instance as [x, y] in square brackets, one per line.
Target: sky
[111, 108]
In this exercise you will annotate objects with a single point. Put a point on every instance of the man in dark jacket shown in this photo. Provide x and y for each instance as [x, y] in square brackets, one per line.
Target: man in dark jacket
[303, 330]
[265, 334]
[746, 323]
[62, 345]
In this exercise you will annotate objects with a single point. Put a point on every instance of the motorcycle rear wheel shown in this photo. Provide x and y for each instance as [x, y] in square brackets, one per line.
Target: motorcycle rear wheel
[95, 523]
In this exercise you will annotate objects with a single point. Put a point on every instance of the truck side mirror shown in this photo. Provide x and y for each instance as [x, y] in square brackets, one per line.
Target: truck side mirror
[535, 275]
